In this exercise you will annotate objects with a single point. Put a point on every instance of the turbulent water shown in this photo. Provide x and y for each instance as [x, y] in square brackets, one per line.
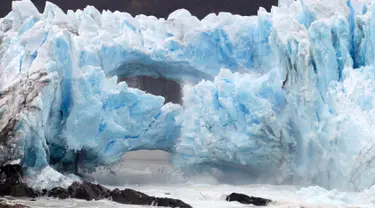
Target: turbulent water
[150, 172]
[141, 171]
[211, 196]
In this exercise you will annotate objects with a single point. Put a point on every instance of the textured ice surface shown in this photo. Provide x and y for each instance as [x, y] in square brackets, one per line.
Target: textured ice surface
[286, 95]
[235, 119]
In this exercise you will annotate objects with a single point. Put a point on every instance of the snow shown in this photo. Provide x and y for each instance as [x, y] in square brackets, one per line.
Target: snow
[286, 95]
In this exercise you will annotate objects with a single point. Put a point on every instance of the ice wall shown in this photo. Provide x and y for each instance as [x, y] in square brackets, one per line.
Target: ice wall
[75, 112]
[236, 119]
[286, 95]
[309, 121]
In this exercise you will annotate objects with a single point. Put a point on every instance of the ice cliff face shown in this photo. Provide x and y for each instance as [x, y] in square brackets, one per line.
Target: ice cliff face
[287, 95]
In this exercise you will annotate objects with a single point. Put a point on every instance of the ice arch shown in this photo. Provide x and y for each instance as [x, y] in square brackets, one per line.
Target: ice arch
[69, 61]
[295, 108]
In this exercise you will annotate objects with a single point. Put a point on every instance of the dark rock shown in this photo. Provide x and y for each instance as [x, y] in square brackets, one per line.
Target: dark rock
[85, 190]
[245, 199]
[58, 192]
[12, 171]
[168, 202]
[44, 192]
[129, 196]
[22, 190]
[88, 191]
[11, 182]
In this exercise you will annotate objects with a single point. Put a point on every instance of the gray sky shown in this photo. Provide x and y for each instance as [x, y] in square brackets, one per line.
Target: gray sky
[159, 8]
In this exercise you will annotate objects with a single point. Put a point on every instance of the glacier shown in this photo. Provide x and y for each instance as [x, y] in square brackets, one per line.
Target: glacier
[287, 95]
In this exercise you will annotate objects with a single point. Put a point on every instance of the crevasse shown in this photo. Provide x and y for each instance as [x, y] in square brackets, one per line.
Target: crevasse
[286, 95]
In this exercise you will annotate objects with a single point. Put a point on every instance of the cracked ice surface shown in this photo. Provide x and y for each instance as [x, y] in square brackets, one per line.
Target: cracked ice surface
[310, 120]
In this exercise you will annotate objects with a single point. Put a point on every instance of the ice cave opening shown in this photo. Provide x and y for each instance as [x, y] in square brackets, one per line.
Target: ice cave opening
[170, 89]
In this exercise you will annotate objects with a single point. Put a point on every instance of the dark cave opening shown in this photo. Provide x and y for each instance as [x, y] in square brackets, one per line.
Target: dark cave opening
[171, 90]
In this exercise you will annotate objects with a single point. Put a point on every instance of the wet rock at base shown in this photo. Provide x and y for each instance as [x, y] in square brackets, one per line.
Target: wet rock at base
[58, 192]
[129, 196]
[85, 190]
[11, 182]
[245, 199]
[88, 191]
[168, 202]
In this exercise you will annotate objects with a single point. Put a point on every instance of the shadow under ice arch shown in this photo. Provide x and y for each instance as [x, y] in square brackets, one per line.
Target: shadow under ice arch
[179, 71]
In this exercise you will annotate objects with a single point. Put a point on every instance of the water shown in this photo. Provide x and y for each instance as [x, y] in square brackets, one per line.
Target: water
[207, 196]
[151, 173]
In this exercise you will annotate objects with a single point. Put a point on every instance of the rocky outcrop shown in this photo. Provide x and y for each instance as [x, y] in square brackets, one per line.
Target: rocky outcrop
[129, 196]
[89, 191]
[11, 184]
[85, 190]
[21, 114]
[58, 192]
[245, 199]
